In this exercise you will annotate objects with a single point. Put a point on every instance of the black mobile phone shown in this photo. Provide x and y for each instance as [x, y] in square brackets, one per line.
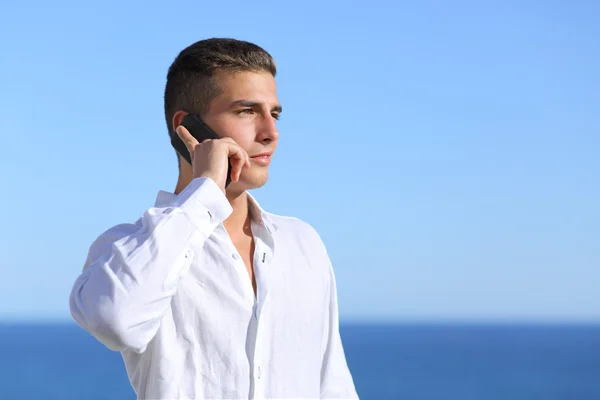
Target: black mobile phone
[199, 130]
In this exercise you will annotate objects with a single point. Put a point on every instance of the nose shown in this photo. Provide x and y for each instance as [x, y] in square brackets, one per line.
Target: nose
[267, 130]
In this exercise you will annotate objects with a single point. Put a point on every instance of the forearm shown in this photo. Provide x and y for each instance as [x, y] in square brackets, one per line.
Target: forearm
[132, 270]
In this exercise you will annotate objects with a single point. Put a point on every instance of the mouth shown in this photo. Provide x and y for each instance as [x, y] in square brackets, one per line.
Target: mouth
[262, 159]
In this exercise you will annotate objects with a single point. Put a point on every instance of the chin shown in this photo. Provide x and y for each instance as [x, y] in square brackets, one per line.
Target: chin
[254, 179]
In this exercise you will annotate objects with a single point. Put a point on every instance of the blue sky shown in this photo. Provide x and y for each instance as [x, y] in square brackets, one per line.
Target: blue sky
[447, 152]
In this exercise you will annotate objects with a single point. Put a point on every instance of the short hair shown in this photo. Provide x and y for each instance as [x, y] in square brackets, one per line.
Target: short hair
[190, 81]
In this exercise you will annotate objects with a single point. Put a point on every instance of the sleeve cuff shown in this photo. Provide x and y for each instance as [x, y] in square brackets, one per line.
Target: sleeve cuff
[203, 198]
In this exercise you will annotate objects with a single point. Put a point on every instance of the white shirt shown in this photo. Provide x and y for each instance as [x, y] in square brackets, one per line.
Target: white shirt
[173, 295]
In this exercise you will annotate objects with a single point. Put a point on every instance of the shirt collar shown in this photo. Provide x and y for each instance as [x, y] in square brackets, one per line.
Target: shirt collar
[164, 198]
[257, 214]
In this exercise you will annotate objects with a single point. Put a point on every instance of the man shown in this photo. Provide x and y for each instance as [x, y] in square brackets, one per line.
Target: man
[208, 296]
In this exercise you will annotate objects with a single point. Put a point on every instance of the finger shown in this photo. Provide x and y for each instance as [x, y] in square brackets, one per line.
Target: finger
[187, 138]
[240, 162]
[229, 140]
[238, 171]
[236, 168]
[238, 158]
[246, 159]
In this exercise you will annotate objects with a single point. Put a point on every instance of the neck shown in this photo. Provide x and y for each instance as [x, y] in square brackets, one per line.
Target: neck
[240, 216]
[184, 179]
[239, 219]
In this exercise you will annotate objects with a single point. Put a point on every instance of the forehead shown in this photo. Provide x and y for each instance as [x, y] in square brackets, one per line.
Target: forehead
[256, 86]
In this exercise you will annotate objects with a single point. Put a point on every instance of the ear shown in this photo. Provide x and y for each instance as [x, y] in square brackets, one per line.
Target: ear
[177, 118]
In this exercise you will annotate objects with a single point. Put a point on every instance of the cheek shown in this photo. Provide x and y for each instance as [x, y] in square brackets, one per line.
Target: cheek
[242, 133]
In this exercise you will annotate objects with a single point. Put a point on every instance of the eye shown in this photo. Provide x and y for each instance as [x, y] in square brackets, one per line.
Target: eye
[246, 111]
[275, 116]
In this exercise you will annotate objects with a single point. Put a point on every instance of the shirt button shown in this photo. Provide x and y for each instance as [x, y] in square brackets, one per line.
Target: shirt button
[235, 256]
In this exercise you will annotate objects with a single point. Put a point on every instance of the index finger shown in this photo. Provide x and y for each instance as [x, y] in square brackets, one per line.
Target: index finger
[187, 138]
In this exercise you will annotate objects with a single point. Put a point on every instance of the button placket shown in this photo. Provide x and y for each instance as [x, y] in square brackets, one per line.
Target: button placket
[262, 258]
[258, 377]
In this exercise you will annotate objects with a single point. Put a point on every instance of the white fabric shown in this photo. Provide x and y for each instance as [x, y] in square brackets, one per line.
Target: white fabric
[172, 294]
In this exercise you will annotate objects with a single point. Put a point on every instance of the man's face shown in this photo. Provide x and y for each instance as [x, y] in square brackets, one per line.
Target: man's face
[246, 110]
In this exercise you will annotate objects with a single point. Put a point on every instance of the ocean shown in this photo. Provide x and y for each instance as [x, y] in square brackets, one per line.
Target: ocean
[404, 361]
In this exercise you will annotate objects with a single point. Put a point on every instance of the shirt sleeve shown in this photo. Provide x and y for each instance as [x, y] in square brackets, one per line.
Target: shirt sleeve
[336, 379]
[131, 271]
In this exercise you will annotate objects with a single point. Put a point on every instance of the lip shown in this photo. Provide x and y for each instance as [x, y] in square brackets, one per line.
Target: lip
[262, 159]
[265, 154]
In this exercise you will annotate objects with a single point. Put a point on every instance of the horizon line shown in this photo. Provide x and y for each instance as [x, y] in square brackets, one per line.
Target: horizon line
[497, 321]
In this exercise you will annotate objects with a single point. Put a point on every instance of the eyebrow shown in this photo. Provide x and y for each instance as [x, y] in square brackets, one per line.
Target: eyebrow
[252, 103]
